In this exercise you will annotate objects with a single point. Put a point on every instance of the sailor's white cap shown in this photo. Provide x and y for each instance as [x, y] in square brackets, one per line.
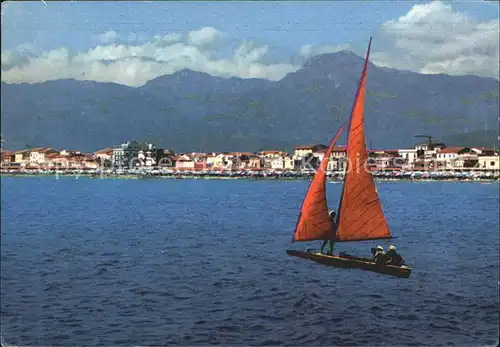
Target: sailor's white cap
[392, 247]
[380, 248]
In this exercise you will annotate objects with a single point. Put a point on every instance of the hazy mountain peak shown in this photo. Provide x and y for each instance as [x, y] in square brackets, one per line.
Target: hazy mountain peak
[328, 60]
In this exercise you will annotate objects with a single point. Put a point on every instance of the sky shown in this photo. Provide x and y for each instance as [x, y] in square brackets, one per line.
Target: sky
[133, 42]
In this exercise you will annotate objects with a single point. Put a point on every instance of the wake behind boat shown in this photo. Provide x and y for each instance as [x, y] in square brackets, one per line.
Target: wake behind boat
[360, 215]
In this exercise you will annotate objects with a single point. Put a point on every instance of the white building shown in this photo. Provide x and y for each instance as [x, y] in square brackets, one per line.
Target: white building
[288, 163]
[104, 154]
[301, 152]
[270, 159]
[485, 151]
[409, 157]
[37, 155]
[448, 158]
[184, 162]
[489, 162]
[338, 159]
[133, 153]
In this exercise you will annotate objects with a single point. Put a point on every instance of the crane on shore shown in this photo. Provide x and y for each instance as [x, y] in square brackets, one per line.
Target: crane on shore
[428, 137]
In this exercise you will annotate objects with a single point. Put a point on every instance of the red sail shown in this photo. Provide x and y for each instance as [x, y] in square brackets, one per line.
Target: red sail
[314, 222]
[360, 213]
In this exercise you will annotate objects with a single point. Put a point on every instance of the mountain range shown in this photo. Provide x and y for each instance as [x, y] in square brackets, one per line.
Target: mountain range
[193, 111]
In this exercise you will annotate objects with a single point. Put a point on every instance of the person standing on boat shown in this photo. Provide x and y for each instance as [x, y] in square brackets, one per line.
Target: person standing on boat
[394, 258]
[332, 240]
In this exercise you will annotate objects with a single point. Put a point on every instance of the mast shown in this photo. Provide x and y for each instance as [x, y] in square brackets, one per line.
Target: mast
[360, 215]
[360, 83]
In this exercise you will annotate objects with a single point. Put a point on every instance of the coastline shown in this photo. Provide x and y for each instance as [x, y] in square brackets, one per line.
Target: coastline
[288, 176]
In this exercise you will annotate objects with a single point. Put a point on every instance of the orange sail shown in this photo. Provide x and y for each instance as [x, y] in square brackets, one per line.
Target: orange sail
[360, 214]
[314, 222]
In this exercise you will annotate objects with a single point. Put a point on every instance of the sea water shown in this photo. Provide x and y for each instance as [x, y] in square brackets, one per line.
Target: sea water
[197, 262]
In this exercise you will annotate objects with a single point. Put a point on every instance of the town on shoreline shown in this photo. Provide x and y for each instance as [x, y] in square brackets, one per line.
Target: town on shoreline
[139, 159]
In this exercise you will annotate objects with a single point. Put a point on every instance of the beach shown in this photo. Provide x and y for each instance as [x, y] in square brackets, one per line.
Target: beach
[255, 175]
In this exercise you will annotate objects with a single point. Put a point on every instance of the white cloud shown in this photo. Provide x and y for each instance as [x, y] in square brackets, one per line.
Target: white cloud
[204, 36]
[434, 38]
[6, 57]
[21, 54]
[136, 38]
[136, 64]
[172, 37]
[108, 36]
[430, 38]
[307, 51]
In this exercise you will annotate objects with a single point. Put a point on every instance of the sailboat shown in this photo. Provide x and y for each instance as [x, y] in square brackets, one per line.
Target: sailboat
[360, 216]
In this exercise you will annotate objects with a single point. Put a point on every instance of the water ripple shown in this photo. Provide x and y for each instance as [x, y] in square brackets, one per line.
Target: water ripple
[154, 262]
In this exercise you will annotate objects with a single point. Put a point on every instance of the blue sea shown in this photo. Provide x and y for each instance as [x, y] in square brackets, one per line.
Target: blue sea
[201, 262]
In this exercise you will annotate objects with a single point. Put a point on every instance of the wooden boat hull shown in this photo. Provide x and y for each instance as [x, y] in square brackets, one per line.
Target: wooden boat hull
[350, 262]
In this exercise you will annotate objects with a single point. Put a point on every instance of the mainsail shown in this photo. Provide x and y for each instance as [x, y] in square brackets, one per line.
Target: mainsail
[314, 222]
[360, 214]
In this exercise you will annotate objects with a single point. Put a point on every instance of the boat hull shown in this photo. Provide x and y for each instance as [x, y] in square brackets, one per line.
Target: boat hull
[350, 262]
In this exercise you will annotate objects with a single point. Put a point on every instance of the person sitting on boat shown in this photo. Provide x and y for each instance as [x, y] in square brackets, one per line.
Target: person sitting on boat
[394, 258]
[331, 241]
[379, 255]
